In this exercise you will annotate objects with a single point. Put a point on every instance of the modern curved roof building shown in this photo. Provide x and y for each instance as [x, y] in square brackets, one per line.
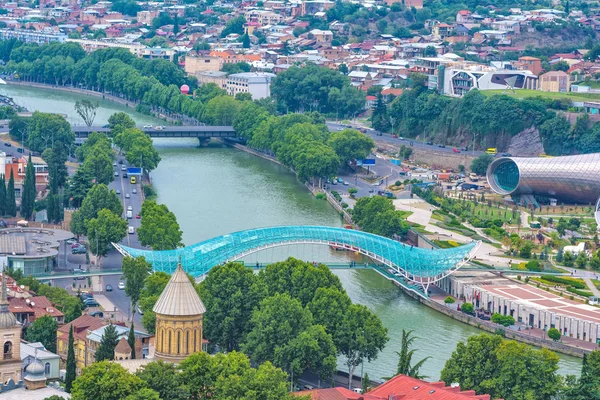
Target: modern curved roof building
[568, 179]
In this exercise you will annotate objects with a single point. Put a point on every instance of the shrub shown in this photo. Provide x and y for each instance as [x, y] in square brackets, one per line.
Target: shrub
[149, 191]
[504, 320]
[467, 308]
[534, 266]
[554, 334]
[578, 292]
[449, 300]
[321, 196]
[565, 281]
[500, 331]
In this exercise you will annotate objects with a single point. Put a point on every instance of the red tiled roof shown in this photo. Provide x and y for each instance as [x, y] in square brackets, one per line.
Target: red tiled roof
[80, 326]
[392, 91]
[416, 389]
[38, 306]
[338, 393]
[464, 12]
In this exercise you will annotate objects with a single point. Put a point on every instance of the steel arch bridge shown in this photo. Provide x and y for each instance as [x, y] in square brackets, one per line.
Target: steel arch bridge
[417, 265]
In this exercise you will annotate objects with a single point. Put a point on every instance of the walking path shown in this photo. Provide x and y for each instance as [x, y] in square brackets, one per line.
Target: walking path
[592, 287]
[421, 214]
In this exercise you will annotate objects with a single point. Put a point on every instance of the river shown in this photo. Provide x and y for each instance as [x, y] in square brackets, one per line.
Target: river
[217, 190]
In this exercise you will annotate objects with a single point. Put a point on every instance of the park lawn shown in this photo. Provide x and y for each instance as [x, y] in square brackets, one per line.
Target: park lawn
[493, 213]
[526, 93]
[446, 244]
[405, 214]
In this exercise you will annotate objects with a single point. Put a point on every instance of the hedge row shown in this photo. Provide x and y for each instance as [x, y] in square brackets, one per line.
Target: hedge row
[565, 281]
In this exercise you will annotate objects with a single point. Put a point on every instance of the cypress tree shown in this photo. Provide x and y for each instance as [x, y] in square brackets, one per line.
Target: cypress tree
[2, 195]
[110, 339]
[28, 195]
[131, 341]
[11, 202]
[71, 373]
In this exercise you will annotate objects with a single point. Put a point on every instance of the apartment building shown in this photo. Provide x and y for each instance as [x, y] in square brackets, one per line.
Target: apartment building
[28, 36]
[263, 17]
[258, 84]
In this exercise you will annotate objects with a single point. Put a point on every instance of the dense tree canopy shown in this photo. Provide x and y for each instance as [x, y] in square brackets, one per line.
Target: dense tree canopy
[159, 228]
[378, 215]
[350, 144]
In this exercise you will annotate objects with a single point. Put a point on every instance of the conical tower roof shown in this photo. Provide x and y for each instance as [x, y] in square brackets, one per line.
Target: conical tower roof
[179, 297]
[7, 318]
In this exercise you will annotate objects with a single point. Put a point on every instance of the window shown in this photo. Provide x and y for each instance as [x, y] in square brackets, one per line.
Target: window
[169, 343]
[187, 342]
[178, 342]
[195, 339]
[7, 350]
[47, 368]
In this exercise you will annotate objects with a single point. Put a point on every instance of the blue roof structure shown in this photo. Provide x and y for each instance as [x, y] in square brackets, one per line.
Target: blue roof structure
[415, 264]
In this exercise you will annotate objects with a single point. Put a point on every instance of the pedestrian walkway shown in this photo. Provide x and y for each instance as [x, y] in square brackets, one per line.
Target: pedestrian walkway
[592, 287]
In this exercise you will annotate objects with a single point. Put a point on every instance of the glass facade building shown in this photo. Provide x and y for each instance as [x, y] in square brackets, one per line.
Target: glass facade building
[569, 179]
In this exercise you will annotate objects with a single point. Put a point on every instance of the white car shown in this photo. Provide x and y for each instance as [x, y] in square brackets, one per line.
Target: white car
[147, 126]
[131, 230]
[159, 127]
[121, 285]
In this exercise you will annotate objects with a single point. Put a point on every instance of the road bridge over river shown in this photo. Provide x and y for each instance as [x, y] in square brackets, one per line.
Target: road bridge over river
[189, 131]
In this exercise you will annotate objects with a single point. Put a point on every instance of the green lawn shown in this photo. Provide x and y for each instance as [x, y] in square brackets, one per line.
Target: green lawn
[524, 93]
[491, 213]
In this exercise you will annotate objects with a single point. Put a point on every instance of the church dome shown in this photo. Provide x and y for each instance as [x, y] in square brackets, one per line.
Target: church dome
[35, 369]
[179, 298]
[7, 320]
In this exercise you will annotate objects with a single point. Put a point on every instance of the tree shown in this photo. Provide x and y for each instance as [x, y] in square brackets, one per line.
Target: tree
[11, 201]
[379, 117]
[108, 381]
[489, 364]
[467, 308]
[165, 379]
[587, 387]
[79, 185]
[276, 321]
[2, 195]
[525, 250]
[360, 336]
[230, 294]
[98, 165]
[234, 25]
[480, 164]
[43, 330]
[71, 367]
[221, 110]
[504, 320]
[554, 334]
[131, 340]
[351, 144]
[153, 286]
[378, 215]
[245, 41]
[119, 122]
[29, 192]
[159, 228]
[87, 111]
[328, 307]
[405, 357]
[106, 349]
[581, 260]
[100, 197]
[135, 271]
[105, 229]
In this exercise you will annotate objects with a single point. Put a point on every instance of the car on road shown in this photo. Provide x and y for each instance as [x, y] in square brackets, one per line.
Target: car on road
[121, 285]
[108, 288]
[91, 304]
[116, 173]
[7, 144]
[118, 191]
[120, 161]
[442, 146]
[20, 150]
[76, 271]
[124, 174]
[395, 136]
[86, 296]
[506, 155]
[430, 143]
[134, 191]
[147, 127]
[371, 190]
[346, 183]
[127, 195]
[114, 164]
[455, 150]
[79, 250]
[139, 310]
[131, 230]
[400, 137]
[137, 216]
[123, 168]
[76, 244]
[129, 208]
[341, 128]
[98, 314]
[71, 241]
[159, 127]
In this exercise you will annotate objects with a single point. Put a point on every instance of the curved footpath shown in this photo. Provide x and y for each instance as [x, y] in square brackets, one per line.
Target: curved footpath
[570, 347]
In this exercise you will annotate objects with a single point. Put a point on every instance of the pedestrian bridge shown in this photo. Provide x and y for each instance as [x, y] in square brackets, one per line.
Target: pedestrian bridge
[416, 265]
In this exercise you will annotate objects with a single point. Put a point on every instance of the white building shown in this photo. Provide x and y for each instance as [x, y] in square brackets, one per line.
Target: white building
[28, 36]
[457, 81]
[258, 84]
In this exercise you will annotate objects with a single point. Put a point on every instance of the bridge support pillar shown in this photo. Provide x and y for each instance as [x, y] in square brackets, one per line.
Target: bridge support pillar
[203, 142]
